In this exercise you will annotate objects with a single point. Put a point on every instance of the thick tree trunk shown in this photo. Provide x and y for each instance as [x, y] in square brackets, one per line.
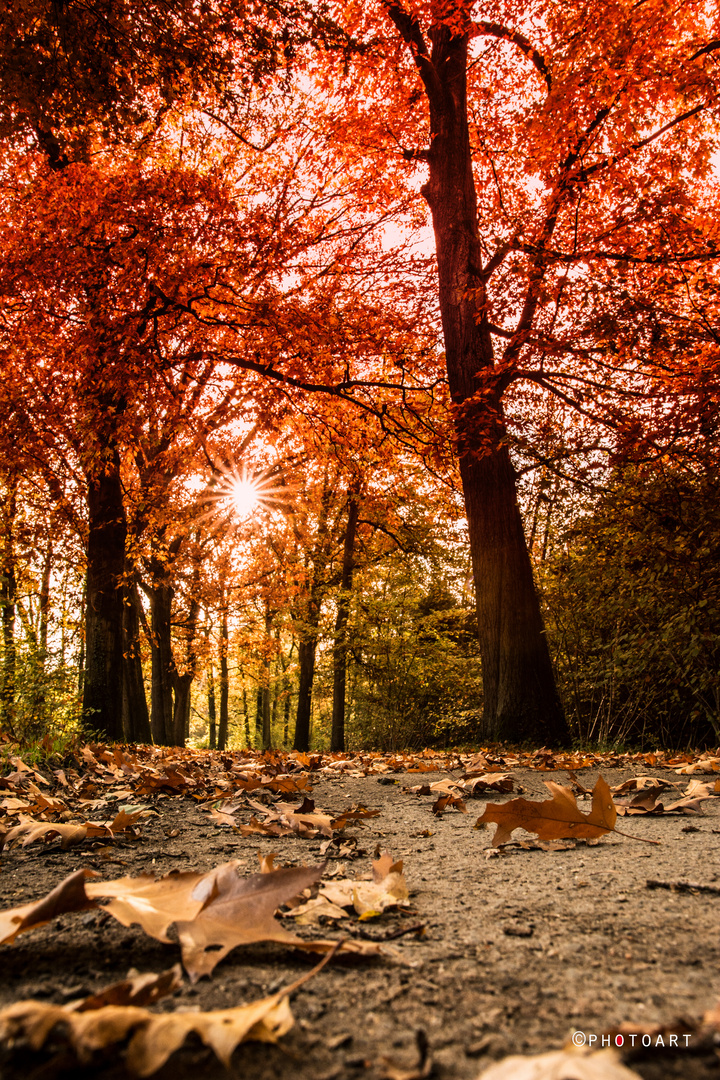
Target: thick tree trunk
[337, 736]
[107, 528]
[521, 700]
[182, 685]
[136, 719]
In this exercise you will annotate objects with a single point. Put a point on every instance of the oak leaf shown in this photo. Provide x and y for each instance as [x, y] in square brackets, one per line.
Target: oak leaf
[237, 911]
[554, 818]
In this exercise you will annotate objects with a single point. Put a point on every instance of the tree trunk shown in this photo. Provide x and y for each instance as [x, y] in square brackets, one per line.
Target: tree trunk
[265, 684]
[212, 714]
[224, 684]
[136, 719]
[337, 737]
[107, 528]
[521, 700]
[161, 705]
[307, 648]
[182, 684]
[45, 605]
[8, 595]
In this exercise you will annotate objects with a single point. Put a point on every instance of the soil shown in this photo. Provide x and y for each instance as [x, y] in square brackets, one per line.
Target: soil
[518, 950]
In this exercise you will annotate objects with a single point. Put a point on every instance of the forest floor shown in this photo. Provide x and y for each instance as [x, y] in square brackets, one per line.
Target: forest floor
[496, 952]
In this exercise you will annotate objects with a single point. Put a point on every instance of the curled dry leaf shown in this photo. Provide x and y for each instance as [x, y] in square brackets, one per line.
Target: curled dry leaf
[69, 895]
[29, 830]
[115, 1014]
[554, 818]
[388, 889]
[213, 912]
[561, 1065]
[454, 802]
[646, 803]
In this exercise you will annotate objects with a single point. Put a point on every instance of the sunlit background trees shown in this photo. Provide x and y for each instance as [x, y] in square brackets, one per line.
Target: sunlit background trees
[240, 504]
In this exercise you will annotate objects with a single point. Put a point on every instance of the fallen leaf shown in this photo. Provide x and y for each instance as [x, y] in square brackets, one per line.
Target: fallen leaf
[555, 818]
[28, 831]
[69, 895]
[388, 889]
[452, 801]
[213, 912]
[236, 911]
[99, 1022]
[561, 1065]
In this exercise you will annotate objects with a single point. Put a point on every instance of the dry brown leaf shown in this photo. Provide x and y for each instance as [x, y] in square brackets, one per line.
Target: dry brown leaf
[699, 789]
[388, 889]
[641, 783]
[152, 902]
[474, 784]
[319, 907]
[561, 1065]
[98, 1023]
[555, 818]
[213, 912]
[69, 895]
[646, 803]
[140, 990]
[28, 831]
[704, 765]
[236, 911]
[452, 801]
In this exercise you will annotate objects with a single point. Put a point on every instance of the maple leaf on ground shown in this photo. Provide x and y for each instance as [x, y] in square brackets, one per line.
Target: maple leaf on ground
[30, 830]
[641, 783]
[101, 1021]
[554, 818]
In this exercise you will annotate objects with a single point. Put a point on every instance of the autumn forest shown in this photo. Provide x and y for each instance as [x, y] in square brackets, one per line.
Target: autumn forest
[359, 373]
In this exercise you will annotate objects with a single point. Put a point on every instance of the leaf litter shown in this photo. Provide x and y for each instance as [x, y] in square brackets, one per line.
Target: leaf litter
[168, 774]
[212, 913]
[118, 1013]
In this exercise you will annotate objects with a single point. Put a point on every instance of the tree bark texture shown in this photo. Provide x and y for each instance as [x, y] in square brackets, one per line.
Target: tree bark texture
[521, 700]
[107, 528]
[337, 736]
[161, 704]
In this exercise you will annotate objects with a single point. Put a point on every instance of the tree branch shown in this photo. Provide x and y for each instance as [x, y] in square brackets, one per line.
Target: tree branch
[410, 31]
[504, 33]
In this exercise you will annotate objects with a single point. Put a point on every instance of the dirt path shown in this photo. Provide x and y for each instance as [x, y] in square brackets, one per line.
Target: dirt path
[518, 949]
